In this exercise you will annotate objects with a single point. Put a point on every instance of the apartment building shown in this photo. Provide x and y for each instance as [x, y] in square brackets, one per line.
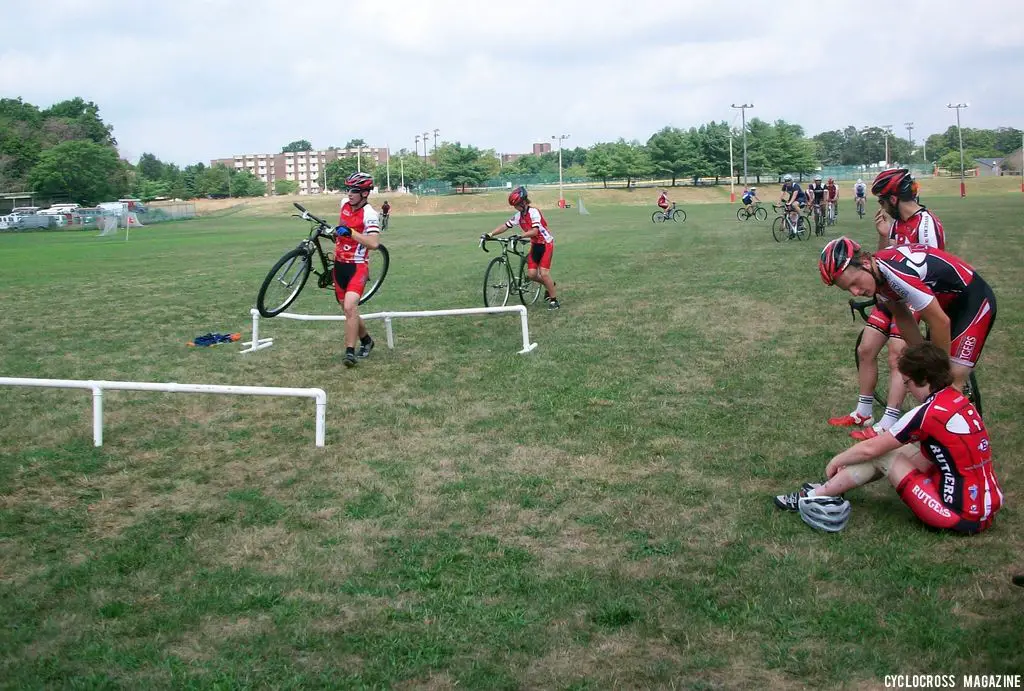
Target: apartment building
[308, 168]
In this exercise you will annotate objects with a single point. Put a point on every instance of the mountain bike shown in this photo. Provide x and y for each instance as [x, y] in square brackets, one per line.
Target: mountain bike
[971, 389]
[288, 276]
[669, 214]
[860, 206]
[819, 219]
[506, 276]
[755, 211]
[783, 228]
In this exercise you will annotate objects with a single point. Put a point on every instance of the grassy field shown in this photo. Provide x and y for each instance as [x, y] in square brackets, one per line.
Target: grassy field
[595, 514]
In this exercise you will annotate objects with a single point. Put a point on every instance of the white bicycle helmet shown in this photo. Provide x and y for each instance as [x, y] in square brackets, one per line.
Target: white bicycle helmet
[817, 178]
[787, 178]
[825, 513]
[859, 181]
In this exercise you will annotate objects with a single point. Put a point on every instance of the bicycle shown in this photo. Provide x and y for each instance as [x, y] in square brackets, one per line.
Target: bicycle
[384, 220]
[832, 214]
[502, 280]
[971, 389]
[784, 229]
[819, 219]
[289, 275]
[753, 210]
[860, 206]
[670, 214]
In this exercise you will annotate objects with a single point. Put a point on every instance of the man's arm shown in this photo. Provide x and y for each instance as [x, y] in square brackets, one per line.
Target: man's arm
[883, 224]
[370, 240]
[908, 326]
[938, 324]
[864, 451]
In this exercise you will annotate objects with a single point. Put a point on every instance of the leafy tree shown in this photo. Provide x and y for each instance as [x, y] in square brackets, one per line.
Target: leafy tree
[670, 152]
[630, 160]
[286, 186]
[714, 148]
[339, 169]
[416, 170]
[214, 181]
[793, 152]
[190, 179]
[600, 163]
[297, 145]
[245, 184]
[355, 143]
[84, 171]
[761, 148]
[461, 166]
[150, 167]
[951, 160]
[1007, 140]
[85, 115]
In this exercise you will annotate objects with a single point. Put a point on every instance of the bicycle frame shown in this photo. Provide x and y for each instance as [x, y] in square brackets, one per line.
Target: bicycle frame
[510, 246]
[312, 245]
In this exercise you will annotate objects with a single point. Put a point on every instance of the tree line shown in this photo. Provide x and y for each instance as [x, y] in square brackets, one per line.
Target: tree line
[66, 151]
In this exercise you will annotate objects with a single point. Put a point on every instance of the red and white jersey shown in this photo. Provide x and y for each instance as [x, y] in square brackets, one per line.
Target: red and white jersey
[915, 274]
[362, 220]
[953, 437]
[533, 218]
[833, 191]
[920, 229]
[662, 199]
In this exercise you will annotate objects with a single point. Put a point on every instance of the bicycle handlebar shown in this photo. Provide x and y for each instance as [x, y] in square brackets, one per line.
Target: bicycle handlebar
[306, 216]
[504, 241]
[861, 306]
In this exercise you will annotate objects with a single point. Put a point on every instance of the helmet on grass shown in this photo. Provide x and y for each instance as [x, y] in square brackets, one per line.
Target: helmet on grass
[361, 182]
[896, 181]
[825, 513]
[516, 196]
[835, 257]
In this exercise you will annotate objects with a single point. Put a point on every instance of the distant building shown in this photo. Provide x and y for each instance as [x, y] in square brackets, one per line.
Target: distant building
[1013, 161]
[541, 148]
[305, 167]
[989, 166]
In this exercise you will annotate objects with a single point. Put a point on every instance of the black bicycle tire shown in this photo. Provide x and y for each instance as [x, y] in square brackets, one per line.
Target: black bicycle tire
[508, 278]
[534, 287]
[974, 394]
[761, 214]
[741, 214]
[678, 215]
[803, 231]
[372, 289]
[655, 219]
[262, 294]
[779, 229]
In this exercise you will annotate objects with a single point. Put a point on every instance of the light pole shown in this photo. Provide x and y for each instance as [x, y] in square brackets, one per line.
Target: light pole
[743, 109]
[387, 168]
[417, 149]
[436, 132]
[732, 173]
[888, 130]
[910, 134]
[359, 158]
[426, 138]
[401, 164]
[960, 135]
[561, 198]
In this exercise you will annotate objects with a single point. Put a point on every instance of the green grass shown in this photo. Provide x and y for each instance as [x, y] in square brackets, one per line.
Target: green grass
[594, 514]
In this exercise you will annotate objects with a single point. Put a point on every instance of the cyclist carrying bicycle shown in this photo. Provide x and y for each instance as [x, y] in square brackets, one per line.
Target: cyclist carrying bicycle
[914, 225]
[793, 198]
[954, 301]
[358, 232]
[542, 242]
[750, 198]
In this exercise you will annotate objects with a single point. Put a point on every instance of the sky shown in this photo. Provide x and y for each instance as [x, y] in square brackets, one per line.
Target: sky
[194, 80]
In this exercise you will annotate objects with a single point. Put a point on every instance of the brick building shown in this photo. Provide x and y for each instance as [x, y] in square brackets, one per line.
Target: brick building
[305, 167]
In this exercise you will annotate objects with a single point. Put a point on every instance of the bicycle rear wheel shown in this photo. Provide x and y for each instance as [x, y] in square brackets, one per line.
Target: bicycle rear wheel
[803, 230]
[741, 214]
[284, 282]
[657, 217]
[528, 290]
[761, 214]
[779, 230]
[497, 283]
[379, 261]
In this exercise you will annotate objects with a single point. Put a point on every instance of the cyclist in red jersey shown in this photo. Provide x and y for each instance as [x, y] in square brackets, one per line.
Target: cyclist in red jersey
[542, 242]
[663, 201]
[358, 232]
[954, 301]
[947, 480]
[896, 190]
[833, 198]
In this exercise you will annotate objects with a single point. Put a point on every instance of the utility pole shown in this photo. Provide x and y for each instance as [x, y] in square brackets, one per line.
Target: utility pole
[436, 132]
[960, 135]
[418, 146]
[426, 138]
[743, 109]
[888, 131]
[910, 133]
[561, 197]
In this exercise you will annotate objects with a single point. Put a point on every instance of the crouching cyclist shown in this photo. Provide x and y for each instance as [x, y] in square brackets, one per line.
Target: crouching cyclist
[542, 242]
[357, 233]
[937, 456]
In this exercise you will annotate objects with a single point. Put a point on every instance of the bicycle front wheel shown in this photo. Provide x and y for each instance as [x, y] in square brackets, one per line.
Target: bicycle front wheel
[528, 290]
[780, 229]
[679, 215]
[284, 282]
[379, 261]
[497, 283]
[803, 230]
[760, 214]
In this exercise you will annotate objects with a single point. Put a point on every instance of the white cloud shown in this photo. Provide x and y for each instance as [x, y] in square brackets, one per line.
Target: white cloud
[199, 79]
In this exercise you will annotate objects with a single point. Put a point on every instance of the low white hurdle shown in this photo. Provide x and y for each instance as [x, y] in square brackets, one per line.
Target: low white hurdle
[258, 343]
[98, 387]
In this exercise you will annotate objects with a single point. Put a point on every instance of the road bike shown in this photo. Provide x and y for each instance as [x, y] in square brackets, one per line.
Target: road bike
[669, 214]
[783, 228]
[860, 206]
[506, 273]
[288, 276]
[881, 392]
[748, 211]
[832, 214]
[819, 219]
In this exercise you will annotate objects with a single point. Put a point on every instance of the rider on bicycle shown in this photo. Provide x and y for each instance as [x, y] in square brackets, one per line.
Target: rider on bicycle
[833, 197]
[663, 203]
[385, 211]
[914, 225]
[792, 197]
[750, 198]
[953, 300]
[859, 190]
[358, 232]
[818, 192]
[542, 242]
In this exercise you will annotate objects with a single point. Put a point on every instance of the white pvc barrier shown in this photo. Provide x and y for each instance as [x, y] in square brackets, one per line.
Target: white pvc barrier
[98, 387]
[258, 343]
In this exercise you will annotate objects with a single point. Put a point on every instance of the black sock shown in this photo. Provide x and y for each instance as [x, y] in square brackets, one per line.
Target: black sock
[366, 340]
[350, 351]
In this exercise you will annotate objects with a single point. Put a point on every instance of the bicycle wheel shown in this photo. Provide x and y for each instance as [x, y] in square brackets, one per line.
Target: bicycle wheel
[379, 264]
[973, 394]
[528, 290]
[779, 230]
[679, 215]
[881, 392]
[741, 214]
[657, 217]
[284, 282]
[497, 283]
[761, 214]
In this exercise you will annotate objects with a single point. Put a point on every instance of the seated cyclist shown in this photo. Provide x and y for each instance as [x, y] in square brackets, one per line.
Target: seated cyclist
[749, 198]
[793, 198]
[859, 191]
[833, 197]
[937, 456]
[817, 192]
[663, 203]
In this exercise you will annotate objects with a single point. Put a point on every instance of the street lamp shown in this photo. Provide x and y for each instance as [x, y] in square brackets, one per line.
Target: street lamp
[436, 132]
[417, 149]
[561, 199]
[426, 138]
[960, 135]
[910, 135]
[743, 109]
